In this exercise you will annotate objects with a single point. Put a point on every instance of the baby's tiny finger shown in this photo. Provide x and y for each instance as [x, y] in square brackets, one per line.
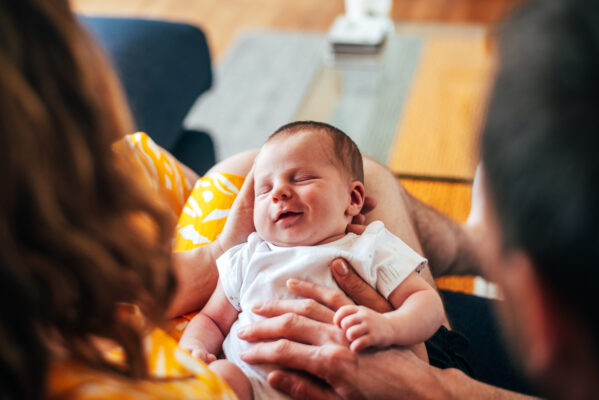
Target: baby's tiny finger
[359, 344]
[343, 312]
[356, 331]
[351, 320]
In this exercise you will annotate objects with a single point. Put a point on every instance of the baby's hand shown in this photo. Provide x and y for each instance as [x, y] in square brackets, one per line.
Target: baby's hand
[202, 354]
[364, 327]
[196, 348]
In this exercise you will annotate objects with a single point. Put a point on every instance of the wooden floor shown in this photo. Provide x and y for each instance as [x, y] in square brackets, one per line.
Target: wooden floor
[222, 20]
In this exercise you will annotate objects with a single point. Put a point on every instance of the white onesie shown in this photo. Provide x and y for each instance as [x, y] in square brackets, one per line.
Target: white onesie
[257, 270]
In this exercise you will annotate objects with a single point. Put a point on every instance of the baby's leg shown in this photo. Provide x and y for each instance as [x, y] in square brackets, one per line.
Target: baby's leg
[234, 377]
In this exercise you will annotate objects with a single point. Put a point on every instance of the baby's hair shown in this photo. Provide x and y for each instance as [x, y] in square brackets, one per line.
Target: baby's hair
[345, 151]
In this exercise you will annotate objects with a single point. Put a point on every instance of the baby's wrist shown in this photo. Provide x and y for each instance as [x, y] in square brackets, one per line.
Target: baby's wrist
[391, 329]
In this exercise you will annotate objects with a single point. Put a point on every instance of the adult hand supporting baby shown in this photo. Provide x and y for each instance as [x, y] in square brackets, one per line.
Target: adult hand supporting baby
[358, 222]
[356, 288]
[304, 339]
[308, 320]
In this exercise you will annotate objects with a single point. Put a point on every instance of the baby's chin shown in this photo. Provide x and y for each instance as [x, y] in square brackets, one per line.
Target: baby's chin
[308, 241]
[294, 243]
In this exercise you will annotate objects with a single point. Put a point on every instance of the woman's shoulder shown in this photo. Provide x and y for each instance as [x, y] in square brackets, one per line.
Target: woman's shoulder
[174, 374]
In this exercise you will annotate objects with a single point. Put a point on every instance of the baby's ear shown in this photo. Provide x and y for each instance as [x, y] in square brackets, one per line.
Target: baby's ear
[356, 198]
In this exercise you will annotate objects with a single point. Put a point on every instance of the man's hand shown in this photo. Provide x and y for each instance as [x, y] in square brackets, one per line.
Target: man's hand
[308, 320]
[356, 288]
[357, 224]
[389, 374]
[300, 336]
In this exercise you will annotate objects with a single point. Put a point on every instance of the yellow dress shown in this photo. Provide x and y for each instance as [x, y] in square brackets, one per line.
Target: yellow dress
[175, 374]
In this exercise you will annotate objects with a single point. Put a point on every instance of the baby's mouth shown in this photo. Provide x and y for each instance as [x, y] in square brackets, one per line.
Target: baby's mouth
[288, 215]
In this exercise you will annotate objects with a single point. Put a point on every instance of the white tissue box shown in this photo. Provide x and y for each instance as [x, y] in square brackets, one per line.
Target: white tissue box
[359, 35]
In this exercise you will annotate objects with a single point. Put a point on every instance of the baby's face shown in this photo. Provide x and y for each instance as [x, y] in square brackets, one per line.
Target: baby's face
[301, 196]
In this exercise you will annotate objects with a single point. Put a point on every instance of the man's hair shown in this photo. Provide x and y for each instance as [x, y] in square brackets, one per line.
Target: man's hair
[540, 147]
[345, 151]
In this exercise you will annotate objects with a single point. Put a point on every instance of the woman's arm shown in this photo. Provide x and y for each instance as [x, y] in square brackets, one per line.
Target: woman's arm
[196, 269]
[196, 278]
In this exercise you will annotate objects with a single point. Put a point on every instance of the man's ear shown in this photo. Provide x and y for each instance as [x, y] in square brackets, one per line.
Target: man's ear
[540, 320]
[357, 195]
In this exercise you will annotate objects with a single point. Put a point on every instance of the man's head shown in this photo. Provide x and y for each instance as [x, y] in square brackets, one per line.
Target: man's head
[540, 154]
[308, 184]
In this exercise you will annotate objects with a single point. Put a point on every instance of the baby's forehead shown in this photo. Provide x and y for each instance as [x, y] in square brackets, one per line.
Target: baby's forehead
[316, 140]
[320, 147]
[302, 134]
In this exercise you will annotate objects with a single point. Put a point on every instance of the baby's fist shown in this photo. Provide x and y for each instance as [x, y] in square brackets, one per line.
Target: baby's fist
[363, 327]
[203, 355]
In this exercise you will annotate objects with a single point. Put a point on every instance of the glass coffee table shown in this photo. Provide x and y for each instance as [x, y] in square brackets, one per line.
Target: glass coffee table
[415, 106]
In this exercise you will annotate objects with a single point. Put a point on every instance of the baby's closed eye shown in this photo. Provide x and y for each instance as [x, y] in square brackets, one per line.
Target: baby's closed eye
[299, 178]
[262, 189]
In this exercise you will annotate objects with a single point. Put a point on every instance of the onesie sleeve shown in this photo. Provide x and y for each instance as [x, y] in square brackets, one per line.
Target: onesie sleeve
[231, 271]
[386, 260]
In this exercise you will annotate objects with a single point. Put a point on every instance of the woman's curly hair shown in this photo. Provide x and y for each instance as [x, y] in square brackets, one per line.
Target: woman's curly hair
[78, 235]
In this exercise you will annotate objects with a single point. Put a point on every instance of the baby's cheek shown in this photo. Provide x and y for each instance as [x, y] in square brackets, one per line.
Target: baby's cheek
[260, 218]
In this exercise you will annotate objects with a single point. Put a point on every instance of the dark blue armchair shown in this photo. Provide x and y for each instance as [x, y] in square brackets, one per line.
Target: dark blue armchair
[163, 67]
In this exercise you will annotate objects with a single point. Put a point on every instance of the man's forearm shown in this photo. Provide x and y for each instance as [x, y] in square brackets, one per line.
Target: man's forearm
[454, 384]
[450, 248]
[416, 380]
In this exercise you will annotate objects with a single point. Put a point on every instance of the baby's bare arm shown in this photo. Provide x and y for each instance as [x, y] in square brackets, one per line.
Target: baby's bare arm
[418, 310]
[206, 332]
[418, 315]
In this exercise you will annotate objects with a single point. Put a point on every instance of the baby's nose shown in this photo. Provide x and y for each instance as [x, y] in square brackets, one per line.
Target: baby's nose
[281, 192]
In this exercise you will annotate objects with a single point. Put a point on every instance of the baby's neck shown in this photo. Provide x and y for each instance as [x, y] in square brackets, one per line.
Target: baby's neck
[331, 239]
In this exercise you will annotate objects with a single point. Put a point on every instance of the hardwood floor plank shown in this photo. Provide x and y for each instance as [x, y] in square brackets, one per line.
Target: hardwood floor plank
[438, 133]
[477, 11]
[452, 199]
